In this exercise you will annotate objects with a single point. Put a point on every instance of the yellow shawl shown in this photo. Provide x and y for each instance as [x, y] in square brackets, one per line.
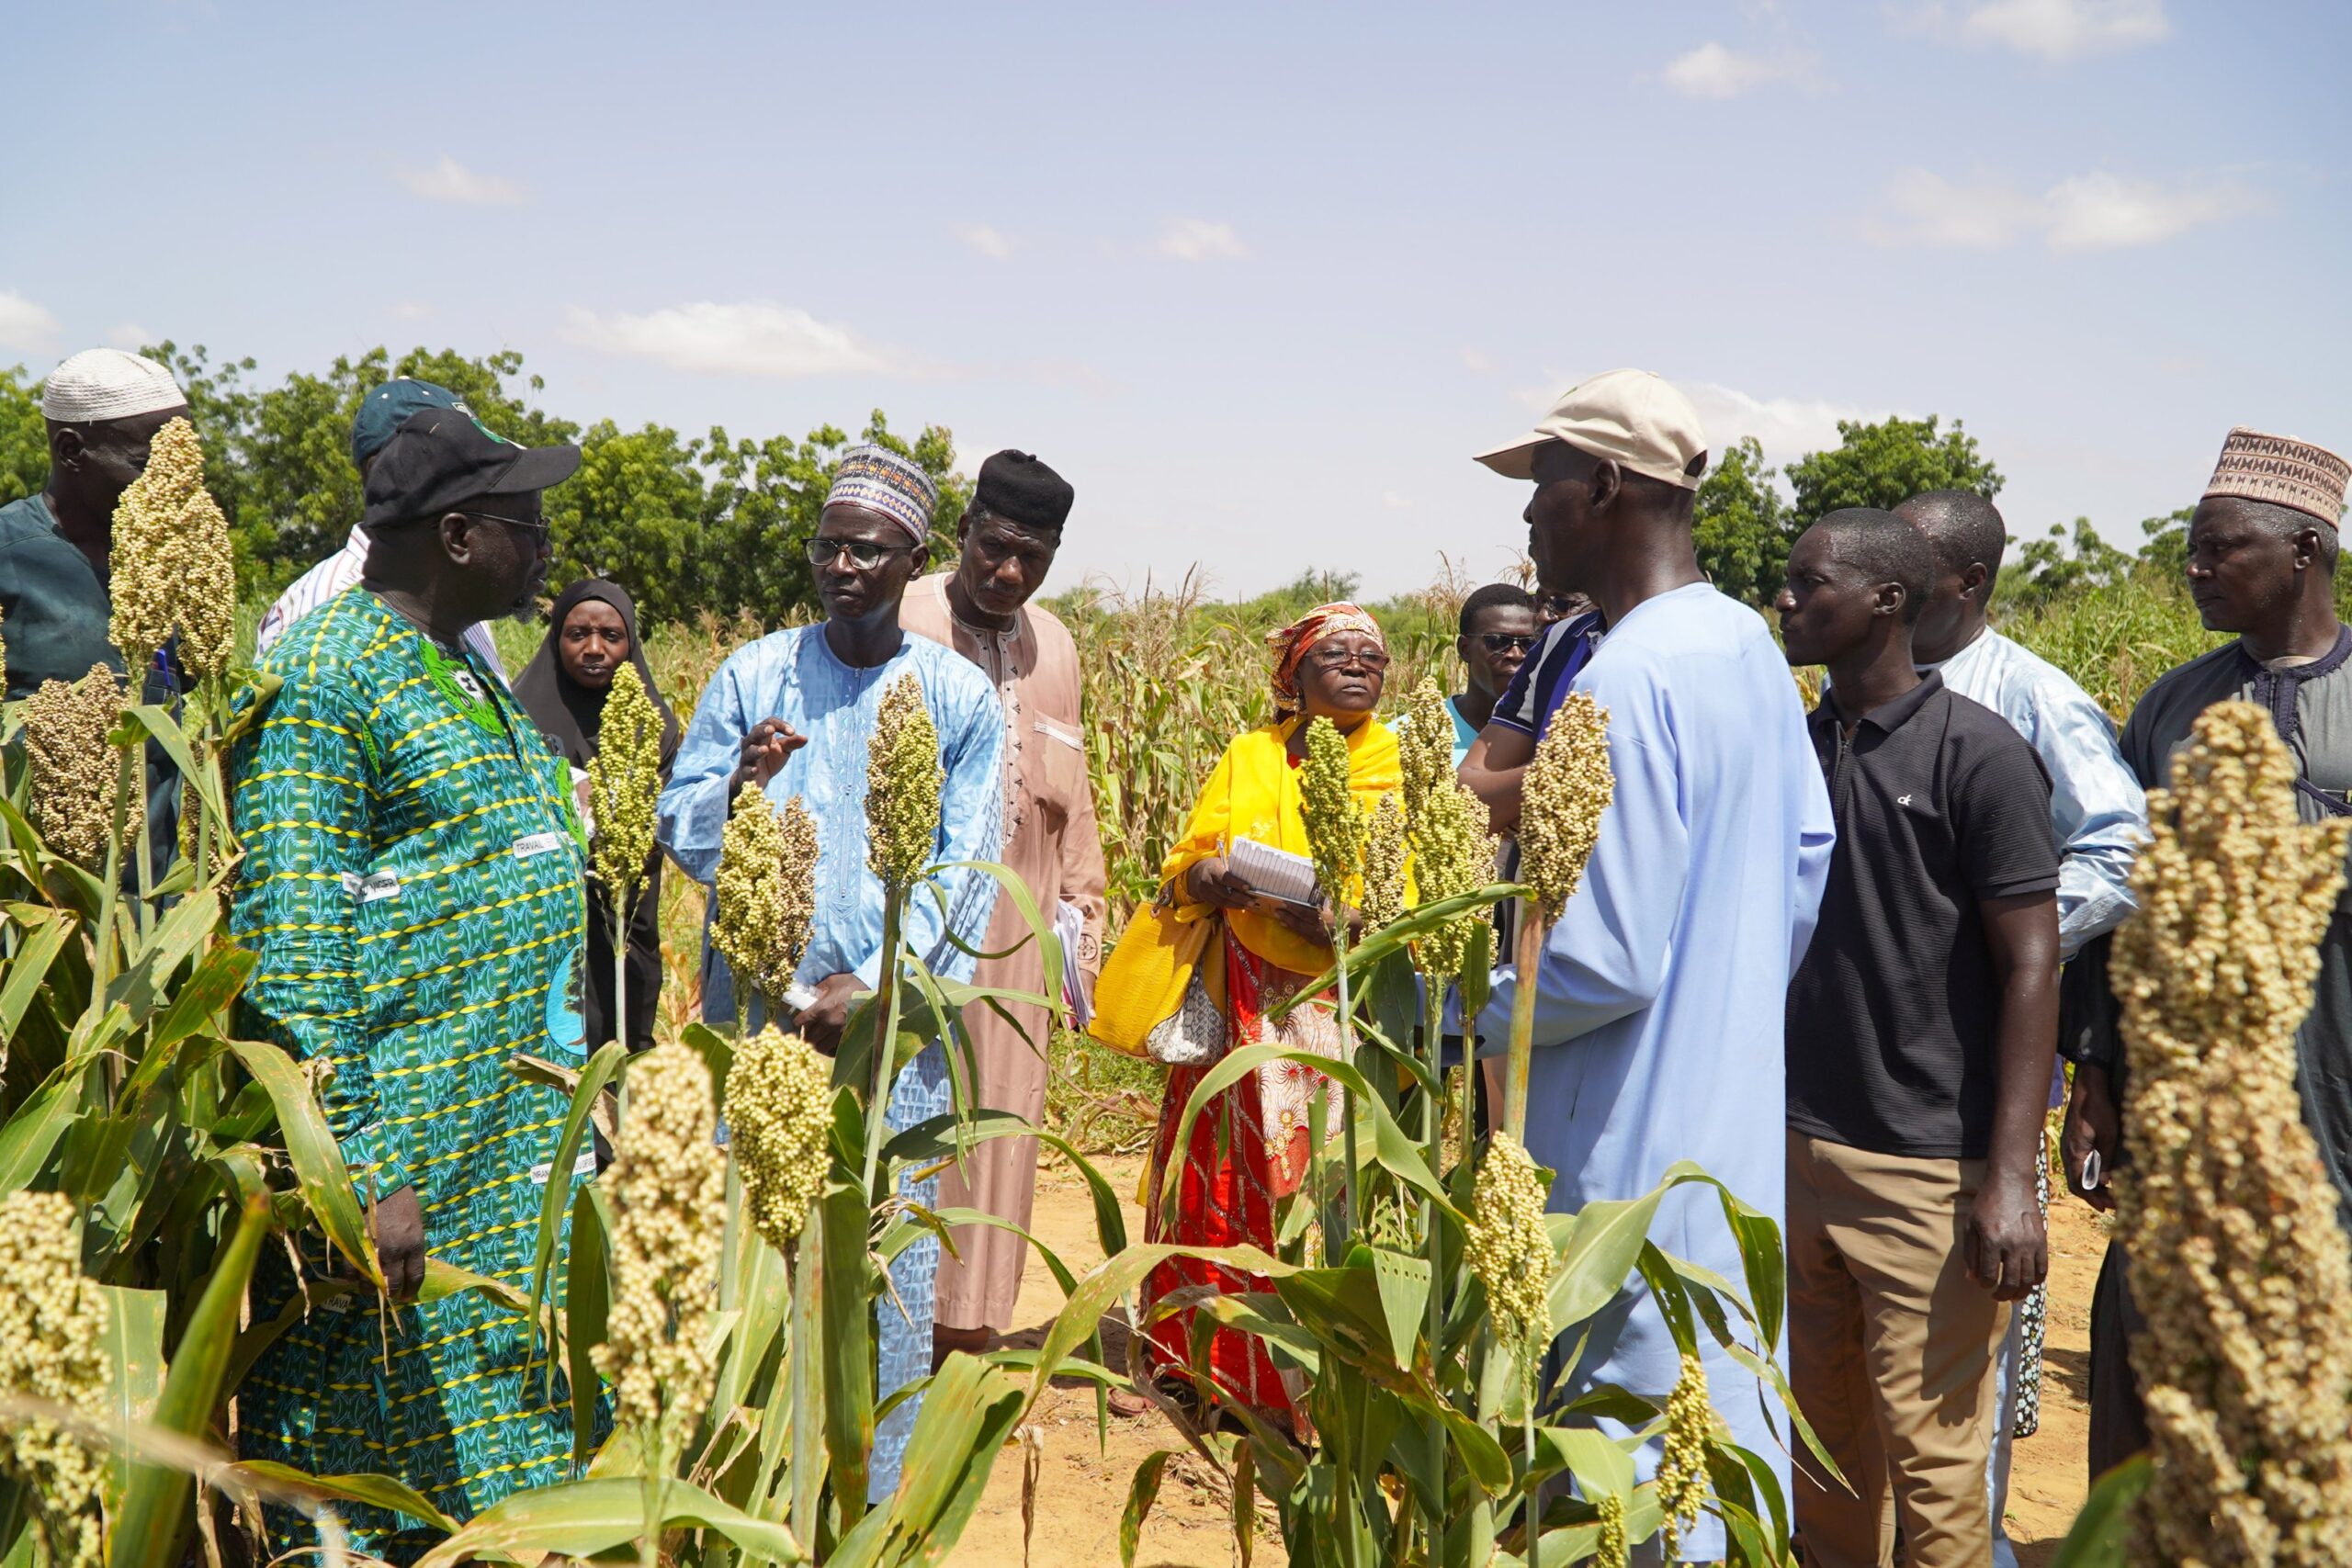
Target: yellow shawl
[1254, 794]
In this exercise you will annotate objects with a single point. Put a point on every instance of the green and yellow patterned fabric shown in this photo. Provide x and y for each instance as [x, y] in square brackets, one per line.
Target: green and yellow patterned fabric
[412, 884]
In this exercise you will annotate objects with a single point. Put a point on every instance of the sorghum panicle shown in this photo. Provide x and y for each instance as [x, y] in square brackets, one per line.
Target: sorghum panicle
[76, 774]
[1336, 828]
[1567, 788]
[668, 1183]
[1682, 1472]
[169, 568]
[1424, 748]
[1453, 854]
[1610, 1550]
[748, 889]
[624, 783]
[779, 1117]
[796, 891]
[903, 778]
[52, 1326]
[1384, 863]
[2226, 1212]
[1509, 1250]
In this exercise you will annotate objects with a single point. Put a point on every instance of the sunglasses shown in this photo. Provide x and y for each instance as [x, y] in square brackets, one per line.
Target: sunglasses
[863, 555]
[1505, 642]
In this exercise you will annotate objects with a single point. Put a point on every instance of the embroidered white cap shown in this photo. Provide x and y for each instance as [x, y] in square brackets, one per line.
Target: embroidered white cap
[107, 383]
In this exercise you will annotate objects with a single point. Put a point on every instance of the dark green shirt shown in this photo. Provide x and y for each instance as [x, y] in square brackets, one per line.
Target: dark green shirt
[53, 607]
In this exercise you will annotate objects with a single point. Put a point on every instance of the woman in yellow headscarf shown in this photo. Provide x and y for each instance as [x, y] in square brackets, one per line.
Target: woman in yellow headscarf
[1249, 1147]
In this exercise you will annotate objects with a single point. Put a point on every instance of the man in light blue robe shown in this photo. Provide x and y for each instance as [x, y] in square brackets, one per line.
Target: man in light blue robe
[1660, 994]
[793, 714]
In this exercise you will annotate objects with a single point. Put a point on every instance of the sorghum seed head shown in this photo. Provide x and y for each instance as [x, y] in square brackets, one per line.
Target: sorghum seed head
[169, 566]
[1384, 863]
[903, 779]
[624, 784]
[1335, 829]
[779, 1121]
[52, 1328]
[2226, 1213]
[668, 1183]
[1424, 748]
[1566, 789]
[1682, 1472]
[76, 774]
[1509, 1250]
[1453, 854]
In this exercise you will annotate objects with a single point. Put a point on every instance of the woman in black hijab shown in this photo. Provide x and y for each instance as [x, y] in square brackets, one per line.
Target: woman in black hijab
[592, 629]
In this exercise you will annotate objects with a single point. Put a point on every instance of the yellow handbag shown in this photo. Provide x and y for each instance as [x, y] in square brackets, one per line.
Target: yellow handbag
[1142, 983]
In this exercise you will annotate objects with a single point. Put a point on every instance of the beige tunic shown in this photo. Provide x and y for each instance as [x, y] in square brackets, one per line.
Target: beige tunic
[1052, 846]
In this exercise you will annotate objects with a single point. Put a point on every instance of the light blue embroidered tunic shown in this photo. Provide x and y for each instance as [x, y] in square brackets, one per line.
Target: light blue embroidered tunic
[1660, 995]
[795, 676]
[2096, 805]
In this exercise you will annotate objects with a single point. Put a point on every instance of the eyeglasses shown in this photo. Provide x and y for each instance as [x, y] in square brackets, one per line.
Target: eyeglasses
[1504, 642]
[863, 555]
[537, 526]
[1339, 658]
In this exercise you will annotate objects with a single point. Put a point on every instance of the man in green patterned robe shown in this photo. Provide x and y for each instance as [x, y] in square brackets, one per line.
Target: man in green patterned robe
[412, 884]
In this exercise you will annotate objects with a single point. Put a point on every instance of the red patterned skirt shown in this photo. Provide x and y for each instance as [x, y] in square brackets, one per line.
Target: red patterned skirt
[1248, 1150]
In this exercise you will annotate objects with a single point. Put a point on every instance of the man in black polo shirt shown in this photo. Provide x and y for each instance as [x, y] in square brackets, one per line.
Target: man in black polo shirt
[1921, 1027]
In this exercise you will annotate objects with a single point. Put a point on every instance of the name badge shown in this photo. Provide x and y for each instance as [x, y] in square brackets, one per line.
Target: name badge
[375, 884]
[585, 1165]
[537, 844]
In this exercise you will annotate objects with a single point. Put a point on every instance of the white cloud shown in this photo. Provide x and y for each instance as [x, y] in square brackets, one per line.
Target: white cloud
[990, 242]
[410, 311]
[1197, 238]
[1925, 208]
[1786, 428]
[449, 180]
[1474, 360]
[24, 325]
[754, 338]
[2087, 212]
[1395, 502]
[2054, 29]
[1711, 71]
[2099, 211]
[131, 335]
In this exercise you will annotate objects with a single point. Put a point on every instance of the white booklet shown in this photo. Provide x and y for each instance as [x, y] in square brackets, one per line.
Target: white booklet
[1275, 874]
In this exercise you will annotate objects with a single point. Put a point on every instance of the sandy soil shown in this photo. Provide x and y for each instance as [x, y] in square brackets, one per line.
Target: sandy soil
[1082, 1486]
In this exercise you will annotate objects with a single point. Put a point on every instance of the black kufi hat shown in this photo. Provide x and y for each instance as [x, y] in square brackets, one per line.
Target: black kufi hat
[1018, 488]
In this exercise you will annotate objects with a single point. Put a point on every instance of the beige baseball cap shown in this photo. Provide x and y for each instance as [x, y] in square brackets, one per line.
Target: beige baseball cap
[1633, 416]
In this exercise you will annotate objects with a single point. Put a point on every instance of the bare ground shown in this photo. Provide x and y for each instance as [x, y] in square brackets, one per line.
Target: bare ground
[1082, 1485]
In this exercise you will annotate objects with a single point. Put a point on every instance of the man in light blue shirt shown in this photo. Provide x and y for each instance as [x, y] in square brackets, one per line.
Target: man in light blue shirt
[1660, 995]
[792, 714]
[2097, 811]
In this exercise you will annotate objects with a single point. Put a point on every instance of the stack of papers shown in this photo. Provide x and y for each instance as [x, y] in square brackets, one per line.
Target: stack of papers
[1273, 872]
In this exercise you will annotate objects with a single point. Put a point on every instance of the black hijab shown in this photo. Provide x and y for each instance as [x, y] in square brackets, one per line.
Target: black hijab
[567, 713]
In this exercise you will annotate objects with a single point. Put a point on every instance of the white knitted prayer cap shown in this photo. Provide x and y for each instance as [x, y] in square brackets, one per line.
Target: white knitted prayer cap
[107, 383]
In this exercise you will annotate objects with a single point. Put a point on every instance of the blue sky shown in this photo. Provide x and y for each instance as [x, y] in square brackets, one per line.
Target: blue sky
[1258, 279]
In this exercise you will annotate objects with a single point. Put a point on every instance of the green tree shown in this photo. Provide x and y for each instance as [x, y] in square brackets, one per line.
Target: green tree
[1743, 528]
[2047, 568]
[24, 438]
[1884, 464]
[2166, 550]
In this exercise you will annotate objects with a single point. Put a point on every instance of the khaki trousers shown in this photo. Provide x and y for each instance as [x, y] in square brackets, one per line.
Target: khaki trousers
[1892, 1353]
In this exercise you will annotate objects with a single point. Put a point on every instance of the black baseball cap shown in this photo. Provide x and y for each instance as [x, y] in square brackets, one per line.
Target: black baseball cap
[442, 458]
